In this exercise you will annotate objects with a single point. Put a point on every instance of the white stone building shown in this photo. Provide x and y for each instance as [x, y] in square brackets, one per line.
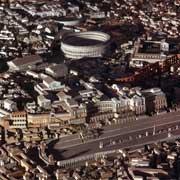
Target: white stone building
[44, 102]
[10, 105]
[52, 84]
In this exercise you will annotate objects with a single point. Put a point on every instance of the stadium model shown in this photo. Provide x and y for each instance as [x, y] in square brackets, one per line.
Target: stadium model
[85, 44]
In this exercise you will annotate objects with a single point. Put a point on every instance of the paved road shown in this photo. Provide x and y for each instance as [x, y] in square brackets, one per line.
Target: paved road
[118, 136]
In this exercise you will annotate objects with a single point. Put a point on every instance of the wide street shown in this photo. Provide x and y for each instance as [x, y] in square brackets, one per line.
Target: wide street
[140, 132]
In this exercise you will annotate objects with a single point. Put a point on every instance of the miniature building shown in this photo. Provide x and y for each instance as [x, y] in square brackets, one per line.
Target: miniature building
[63, 96]
[18, 120]
[148, 173]
[137, 104]
[155, 100]
[51, 84]
[31, 107]
[78, 112]
[113, 105]
[22, 64]
[10, 105]
[148, 51]
[44, 102]
[57, 70]
[38, 120]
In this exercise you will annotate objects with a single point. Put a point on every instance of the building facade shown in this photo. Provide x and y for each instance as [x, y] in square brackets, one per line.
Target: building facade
[137, 104]
[155, 100]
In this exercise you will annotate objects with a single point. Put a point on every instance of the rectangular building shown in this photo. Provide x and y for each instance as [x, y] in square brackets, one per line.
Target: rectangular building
[22, 64]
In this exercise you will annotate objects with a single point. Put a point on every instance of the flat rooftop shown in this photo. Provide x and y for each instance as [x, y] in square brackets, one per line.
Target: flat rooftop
[150, 47]
[154, 47]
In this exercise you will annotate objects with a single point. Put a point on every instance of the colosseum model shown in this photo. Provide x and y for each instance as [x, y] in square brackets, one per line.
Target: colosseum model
[85, 44]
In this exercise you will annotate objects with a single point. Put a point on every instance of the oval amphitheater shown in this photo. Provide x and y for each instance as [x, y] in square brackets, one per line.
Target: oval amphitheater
[85, 44]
